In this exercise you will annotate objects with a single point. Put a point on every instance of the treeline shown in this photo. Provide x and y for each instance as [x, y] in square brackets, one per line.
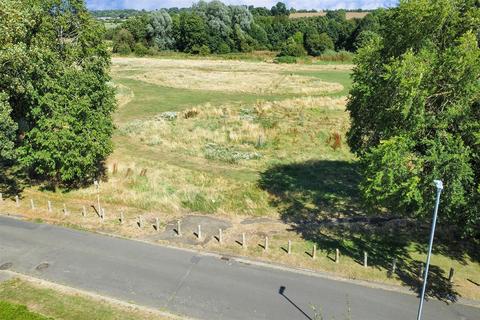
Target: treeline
[214, 27]
[115, 14]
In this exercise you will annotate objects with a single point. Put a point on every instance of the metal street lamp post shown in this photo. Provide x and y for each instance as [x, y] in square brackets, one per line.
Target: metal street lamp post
[439, 186]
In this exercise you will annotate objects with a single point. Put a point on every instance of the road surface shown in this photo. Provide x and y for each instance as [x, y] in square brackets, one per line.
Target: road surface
[196, 285]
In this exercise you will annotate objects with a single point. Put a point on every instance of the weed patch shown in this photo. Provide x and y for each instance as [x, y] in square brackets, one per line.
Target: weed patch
[226, 154]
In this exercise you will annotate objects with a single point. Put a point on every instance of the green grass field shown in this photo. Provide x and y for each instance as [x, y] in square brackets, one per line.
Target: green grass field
[23, 300]
[243, 139]
[12, 311]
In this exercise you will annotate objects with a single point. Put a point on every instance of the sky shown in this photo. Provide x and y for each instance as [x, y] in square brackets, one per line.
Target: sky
[297, 4]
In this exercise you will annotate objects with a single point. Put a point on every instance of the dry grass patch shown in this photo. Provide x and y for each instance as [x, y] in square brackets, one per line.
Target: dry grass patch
[239, 81]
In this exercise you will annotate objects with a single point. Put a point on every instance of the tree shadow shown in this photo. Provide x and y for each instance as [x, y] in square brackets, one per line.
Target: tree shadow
[321, 201]
[11, 182]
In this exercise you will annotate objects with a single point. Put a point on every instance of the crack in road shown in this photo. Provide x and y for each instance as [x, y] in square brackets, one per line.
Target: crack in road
[194, 261]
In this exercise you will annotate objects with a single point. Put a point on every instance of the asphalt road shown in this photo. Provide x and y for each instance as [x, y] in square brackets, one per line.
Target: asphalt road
[199, 286]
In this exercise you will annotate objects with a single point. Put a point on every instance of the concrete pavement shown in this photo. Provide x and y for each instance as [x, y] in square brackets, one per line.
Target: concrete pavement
[196, 285]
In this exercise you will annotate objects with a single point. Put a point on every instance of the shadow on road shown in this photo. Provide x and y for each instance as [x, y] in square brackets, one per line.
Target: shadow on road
[321, 201]
[281, 291]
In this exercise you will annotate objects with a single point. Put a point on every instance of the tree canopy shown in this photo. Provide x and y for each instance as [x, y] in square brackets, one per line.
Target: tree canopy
[221, 28]
[56, 98]
[415, 111]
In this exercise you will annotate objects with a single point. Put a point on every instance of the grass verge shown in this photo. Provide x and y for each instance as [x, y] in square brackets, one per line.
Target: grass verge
[44, 303]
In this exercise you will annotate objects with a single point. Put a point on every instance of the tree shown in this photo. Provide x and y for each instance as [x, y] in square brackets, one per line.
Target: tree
[123, 42]
[293, 47]
[415, 111]
[160, 31]
[260, 37]
[137, 26]
[280, 9]
[192, 31]
[55, 87]
[316, 43]
[8, 129]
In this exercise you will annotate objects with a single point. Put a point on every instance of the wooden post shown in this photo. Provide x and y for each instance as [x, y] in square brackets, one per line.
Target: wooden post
[65, 212]
[179, 230]
[220, 236]
[244, 241]
[84, 211]
[199, 232]
[420, 271]
[122, 219]
[450, 275]
[157, 224]
[266, 244]
[49, 205]
[1, 197]
[314, 252]
[103, 214]
[365, 259]
[115, 168]
[394, 266]
[32, 204]
[17, 201]
[337, 255]
[289, 249]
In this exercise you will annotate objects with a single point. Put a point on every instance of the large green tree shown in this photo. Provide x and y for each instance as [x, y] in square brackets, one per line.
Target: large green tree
[415, 111]
[56, 98]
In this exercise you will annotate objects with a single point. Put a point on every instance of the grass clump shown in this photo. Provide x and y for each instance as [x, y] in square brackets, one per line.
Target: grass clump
[226, 154]
[197, 202]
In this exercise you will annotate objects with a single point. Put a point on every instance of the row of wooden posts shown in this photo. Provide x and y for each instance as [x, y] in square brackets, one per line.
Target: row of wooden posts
[141, 224]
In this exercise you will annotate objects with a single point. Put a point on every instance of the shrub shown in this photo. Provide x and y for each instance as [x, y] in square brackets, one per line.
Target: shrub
[140, 49]
[152, 51]
[203, 50]
[292, 48]
[121, 40]
[223, 48]
[316, 43]
[123, 48]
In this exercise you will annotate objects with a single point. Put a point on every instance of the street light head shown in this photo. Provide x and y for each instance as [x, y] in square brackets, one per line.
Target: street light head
[438, 184]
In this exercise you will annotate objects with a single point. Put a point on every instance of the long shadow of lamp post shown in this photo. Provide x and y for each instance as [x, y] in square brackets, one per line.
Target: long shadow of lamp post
[281, 291]
[439, 186]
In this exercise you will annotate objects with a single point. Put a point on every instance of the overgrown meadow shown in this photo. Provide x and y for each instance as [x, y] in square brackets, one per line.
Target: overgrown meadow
[206, 130]
[260, 146]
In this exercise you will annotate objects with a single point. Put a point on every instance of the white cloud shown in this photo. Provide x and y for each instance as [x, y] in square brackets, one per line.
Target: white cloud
[297, 4]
